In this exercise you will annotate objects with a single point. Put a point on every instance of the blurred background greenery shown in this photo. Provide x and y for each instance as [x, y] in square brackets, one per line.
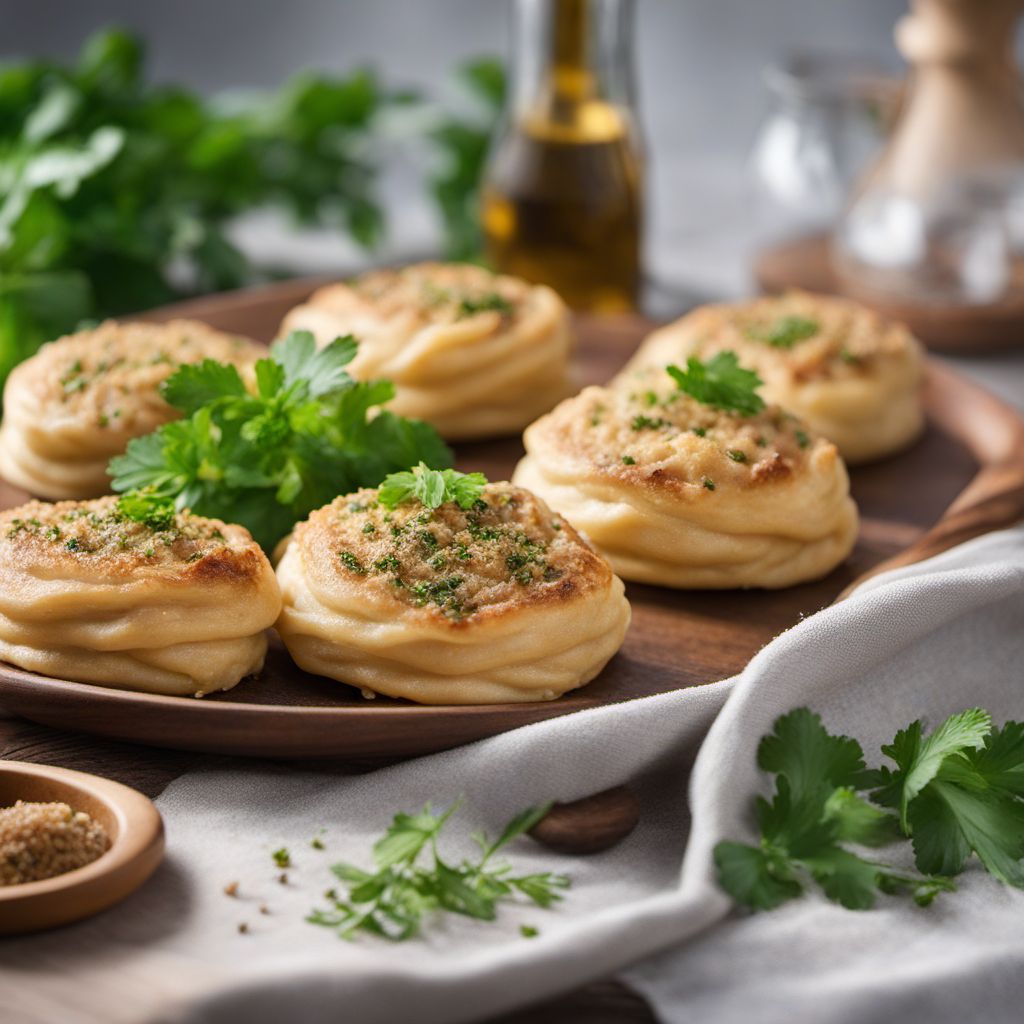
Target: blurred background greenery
[117, 194]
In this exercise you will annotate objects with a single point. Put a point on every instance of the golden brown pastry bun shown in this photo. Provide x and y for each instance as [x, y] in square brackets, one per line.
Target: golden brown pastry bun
[77, 403]
[475, 354]
[88, 595]
[853, 376]
[503, 602]
[677, 493]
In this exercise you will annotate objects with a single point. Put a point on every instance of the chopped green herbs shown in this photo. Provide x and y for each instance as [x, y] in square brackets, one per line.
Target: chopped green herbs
[785, 332]
[351, 563]
[709, 484]
[266, 460]
[432, 487]
[736, 455]
[649, 423]
[393, 901]
[628, 460]
[721, 383]
[802, 438]
[282, 858]
[147, 507]
[491, 302]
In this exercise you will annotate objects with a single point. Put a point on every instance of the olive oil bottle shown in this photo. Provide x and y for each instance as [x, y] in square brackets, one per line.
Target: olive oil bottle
[562, 196]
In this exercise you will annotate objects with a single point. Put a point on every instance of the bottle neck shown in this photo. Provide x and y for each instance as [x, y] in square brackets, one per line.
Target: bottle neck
[573, 67]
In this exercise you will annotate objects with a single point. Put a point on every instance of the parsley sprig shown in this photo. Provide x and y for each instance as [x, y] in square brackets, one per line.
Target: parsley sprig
[393, 901]
[432, 487]
[267, 458]
[956, 790]
[720, 382]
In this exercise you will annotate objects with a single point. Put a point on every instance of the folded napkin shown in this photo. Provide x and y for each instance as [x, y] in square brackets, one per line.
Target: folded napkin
[924, 641]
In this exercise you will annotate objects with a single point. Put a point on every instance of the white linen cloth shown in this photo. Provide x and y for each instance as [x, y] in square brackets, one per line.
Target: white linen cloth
[924, 641]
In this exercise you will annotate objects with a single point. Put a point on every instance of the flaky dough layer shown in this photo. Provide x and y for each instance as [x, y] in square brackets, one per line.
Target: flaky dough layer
[78, 402]
[852, 375]
[475, 354]
[504, 603]
[675, 493]
[90, 596]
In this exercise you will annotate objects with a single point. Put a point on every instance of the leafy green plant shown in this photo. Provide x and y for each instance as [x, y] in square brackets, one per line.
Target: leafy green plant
[267, 458]
[463, 142]
[117, 193]
[393, 900]
[432, 487]
[957, 790]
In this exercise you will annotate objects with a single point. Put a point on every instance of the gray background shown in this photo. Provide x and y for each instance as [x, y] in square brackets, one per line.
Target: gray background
[699, 61]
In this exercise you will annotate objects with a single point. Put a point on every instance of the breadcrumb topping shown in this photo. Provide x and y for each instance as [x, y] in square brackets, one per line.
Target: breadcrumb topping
[650, 432]
[508, 548]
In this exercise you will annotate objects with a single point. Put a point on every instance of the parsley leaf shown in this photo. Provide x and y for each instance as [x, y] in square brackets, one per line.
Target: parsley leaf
[785, 332]
[393, 901]
[958, 790]
[720, 382]
[432, 487]
[814, 810]
[266, 460]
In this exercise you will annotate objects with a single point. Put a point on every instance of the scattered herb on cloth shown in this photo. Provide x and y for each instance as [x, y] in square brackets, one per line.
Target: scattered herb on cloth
[720, 382]
[432, 487]
[393, 901]
[266, 459]
[954, 791]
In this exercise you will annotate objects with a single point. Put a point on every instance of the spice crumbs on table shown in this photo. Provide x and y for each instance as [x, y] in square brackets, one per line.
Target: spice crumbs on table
[264, 909]
[243, 928]
[283, 878]
[231, 889]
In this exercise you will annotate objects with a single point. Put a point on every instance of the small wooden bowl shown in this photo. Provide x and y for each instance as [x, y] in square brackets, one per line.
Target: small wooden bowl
[136, 833]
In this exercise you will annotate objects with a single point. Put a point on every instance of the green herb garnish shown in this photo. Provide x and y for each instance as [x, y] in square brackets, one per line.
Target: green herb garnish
[147, 507]
[785, 332]
[432, 487]
[721, 383]
[282, 858]
[956, 790]
[628, 460]
[266, 460]
[491, 302]
[736, 455]
[392, 901]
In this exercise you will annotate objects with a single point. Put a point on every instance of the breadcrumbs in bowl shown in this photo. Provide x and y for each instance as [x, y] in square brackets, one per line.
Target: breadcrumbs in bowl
[42, 840]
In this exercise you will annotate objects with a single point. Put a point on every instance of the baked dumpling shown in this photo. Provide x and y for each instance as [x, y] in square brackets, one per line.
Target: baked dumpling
[78, 401]
[500, 602]
[473, 353]
[676, 492]
[178, 607]
[853, 376]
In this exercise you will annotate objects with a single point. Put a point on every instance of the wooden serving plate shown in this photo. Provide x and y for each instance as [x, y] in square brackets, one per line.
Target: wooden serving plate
[131, 821]
[963, 478]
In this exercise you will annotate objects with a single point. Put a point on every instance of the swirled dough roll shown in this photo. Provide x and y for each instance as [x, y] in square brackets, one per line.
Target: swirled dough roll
[677, 493]
[852, 375]
[475, 354]
[77, 402]
[88, 595]
[503, 602]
